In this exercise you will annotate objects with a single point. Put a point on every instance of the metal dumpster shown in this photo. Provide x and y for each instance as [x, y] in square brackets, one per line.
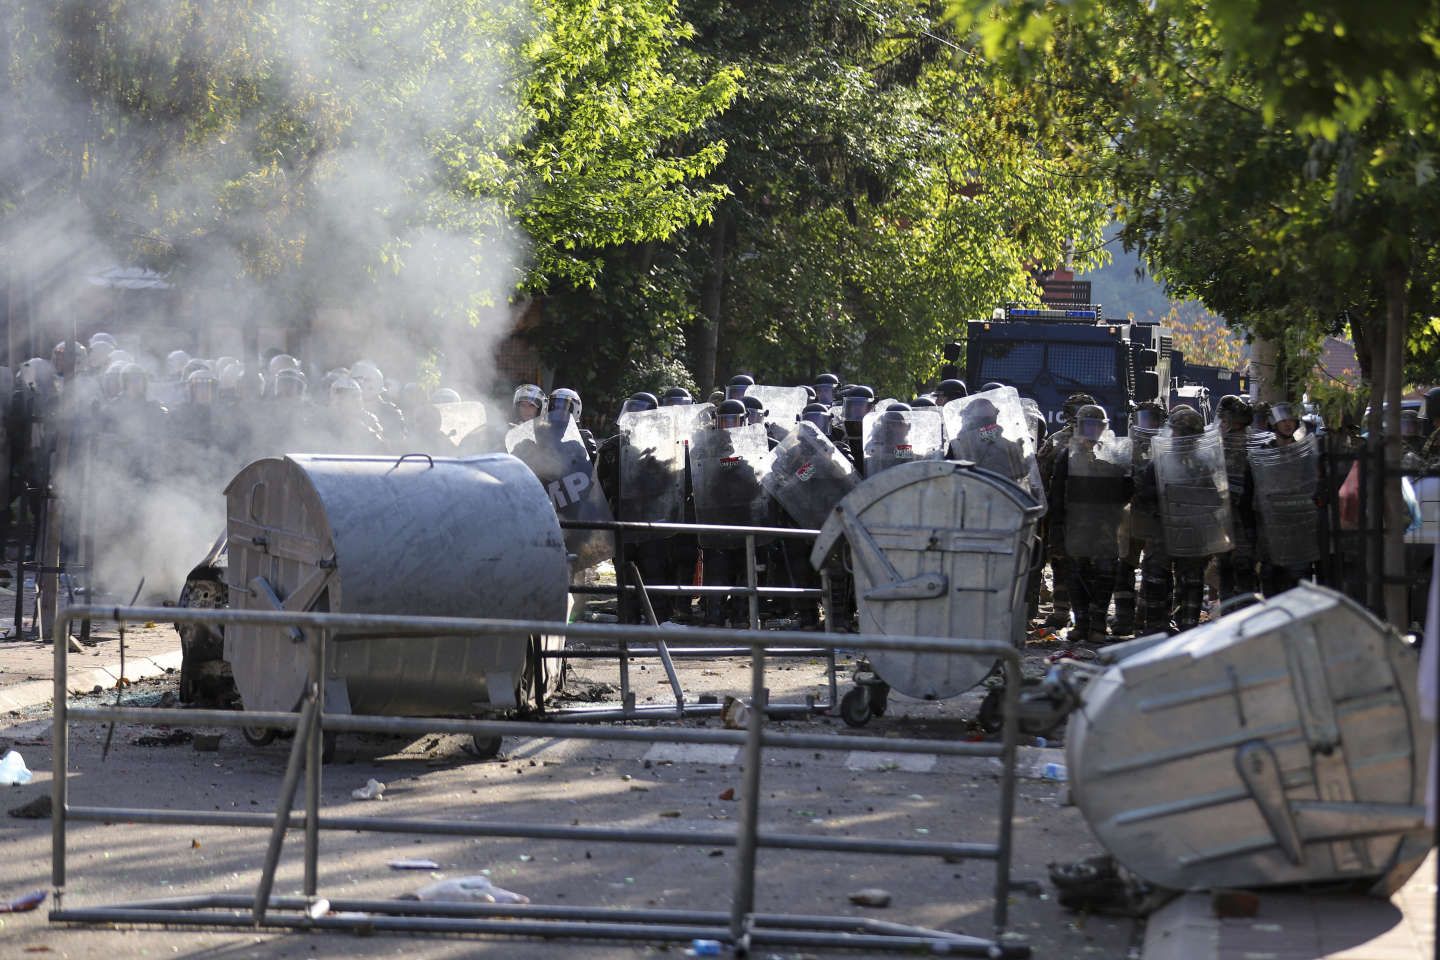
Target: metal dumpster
[939, 549]
[1279, 744]
[473, 537]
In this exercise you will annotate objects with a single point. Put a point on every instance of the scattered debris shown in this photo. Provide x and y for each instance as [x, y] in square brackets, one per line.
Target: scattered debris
[318, 909]
[37, 809]
[373, 790]
[871, 897]
[735, 714]
[477, 889]
[704, 948]
[13, 769]
[414, 865]
[24, 904]
[207, 743]
[728, 793]
[172, 739]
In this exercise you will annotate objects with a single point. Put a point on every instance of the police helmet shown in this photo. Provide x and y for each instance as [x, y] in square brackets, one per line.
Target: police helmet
[290, 384]
[1072, 405]
[640, 401]
[562, 405]
[1186, 421]
[1091, 421]
[1234, 410]
[819, 415]
[533, 396]
[1149, 415]
[201, 387]
[676, 397]
[730, 414]
[951, 389]
[737, 386]
[827, 386]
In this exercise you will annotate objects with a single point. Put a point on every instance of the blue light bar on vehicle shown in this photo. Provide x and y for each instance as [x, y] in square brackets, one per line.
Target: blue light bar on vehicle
[1042, 313]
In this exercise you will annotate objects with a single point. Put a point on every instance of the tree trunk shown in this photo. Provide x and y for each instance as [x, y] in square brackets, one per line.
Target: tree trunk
[707, 332]
[1397, 296]
[1265, 384]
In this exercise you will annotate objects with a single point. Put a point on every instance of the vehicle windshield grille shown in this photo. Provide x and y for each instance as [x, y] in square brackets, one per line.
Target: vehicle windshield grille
[1014, 362]
[1093, 366]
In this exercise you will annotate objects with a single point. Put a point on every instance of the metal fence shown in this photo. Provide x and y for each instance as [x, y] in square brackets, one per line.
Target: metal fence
[632, 586]
[742, 927]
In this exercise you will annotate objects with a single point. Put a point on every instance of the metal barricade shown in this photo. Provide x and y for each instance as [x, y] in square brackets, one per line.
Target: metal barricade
[630, 583]
[742, 926]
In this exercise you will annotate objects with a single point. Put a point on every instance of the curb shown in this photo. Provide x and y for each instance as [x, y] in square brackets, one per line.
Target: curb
[35, 692]
[1183, 929]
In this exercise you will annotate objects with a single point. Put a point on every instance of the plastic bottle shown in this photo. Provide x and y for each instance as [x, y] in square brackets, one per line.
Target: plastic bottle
[1054, 771]
[12, 769]
[705, 948]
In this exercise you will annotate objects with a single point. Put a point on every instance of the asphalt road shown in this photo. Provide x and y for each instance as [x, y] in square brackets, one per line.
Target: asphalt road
[548, 781]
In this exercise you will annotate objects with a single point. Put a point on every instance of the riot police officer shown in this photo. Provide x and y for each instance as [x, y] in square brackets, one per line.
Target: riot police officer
[1053, 530]
[1141, 535]
[1091, 483]
[1236, 569]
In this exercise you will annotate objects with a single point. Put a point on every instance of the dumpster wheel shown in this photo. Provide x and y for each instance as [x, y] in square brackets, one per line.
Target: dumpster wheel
[855, 707]
[259, 736]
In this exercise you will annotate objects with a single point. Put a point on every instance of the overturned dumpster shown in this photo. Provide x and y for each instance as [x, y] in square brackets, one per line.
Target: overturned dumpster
[474, 537]
[1280, 744]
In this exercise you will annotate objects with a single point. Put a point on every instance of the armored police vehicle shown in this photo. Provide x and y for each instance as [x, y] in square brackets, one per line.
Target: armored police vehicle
[1049, 351]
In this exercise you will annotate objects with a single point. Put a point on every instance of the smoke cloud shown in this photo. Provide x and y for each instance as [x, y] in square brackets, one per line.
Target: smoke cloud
[320, 177]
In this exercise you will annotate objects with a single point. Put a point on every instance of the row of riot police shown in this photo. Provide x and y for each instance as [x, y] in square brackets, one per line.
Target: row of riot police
[1166, 501]
[135, 457]
[755, 456]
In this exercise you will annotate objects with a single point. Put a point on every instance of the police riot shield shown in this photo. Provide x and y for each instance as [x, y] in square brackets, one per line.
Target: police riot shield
[901, 436]
[167, 393]
[652, 464]
[1194, 492]
[461, 419]
[558, 458]
[1285, 479]
[808, 475]
[726, 472]
[782, 404]
[989, 429]
[1144, 523]
[1095, 496]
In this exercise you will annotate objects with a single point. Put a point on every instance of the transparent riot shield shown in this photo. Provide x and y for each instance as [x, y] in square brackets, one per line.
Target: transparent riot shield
[901, 436]
[460, 420]
[1144, 523]
[727, 470]
[1285, 479]
[559, 460]
[1095, 493]
[782, 404]
[652, 464]
[808, 475]
[989, 429]
[1194, 492]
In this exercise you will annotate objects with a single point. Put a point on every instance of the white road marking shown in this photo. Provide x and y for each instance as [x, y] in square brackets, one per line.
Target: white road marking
[717, 753]
[866, 760]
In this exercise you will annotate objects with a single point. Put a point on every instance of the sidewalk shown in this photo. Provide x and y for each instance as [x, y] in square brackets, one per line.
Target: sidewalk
[1300, 926]
[27, 666]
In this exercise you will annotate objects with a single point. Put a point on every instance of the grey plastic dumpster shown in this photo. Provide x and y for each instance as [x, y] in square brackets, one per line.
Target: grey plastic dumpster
[939, 548]
[473, 537]
[1280, 744]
